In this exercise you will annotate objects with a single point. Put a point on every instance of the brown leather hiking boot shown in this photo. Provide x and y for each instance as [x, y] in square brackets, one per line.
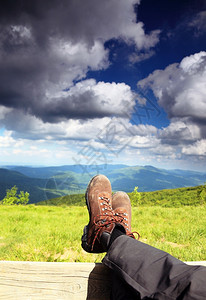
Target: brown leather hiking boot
[122, 208]
[102, 218]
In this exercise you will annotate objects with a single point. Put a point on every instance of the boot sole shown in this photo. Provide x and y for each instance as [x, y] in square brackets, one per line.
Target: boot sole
[85, 245]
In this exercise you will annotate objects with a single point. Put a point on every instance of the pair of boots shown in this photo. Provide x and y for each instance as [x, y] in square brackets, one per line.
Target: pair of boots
[109, 215]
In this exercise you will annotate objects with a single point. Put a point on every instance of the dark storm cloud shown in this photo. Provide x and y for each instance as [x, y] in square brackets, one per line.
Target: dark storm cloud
[76, 107]
[29, 66]
[46, 45]
[75, 19]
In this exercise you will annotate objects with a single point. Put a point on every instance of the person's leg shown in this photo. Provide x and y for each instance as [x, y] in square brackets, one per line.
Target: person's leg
[153, 273]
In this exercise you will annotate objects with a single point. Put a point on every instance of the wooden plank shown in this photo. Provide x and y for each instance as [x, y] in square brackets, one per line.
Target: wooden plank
[52, 281]
[45, 280]
[201, 263]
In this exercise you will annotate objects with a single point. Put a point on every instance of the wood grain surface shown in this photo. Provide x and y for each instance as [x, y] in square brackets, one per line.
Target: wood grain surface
[49, 281]
[44, 280]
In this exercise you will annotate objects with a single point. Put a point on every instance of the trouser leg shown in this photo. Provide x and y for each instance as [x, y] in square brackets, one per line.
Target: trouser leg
[153, 273]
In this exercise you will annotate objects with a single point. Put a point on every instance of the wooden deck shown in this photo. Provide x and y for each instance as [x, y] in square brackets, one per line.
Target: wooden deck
[55, 281]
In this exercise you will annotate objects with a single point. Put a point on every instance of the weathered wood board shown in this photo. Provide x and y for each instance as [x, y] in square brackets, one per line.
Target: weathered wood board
[49, 281]
[44, 280]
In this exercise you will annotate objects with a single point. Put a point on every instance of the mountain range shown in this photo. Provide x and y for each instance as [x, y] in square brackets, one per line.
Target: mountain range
[49, 182]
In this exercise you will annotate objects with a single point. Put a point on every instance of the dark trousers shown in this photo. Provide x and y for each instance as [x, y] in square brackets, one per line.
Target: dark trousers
[144, 272]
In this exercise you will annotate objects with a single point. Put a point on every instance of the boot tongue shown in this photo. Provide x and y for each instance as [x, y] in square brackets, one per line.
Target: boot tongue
[122, 217]
[120, 210]
[105, 194]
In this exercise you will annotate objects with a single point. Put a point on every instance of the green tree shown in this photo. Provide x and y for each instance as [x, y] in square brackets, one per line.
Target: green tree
[23, 197]
[13, 198]
[135, 197]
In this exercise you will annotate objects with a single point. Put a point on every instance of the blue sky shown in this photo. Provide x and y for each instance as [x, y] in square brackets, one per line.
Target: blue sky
[99, 82]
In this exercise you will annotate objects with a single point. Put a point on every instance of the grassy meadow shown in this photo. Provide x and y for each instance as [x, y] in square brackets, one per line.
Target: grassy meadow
[53, 233]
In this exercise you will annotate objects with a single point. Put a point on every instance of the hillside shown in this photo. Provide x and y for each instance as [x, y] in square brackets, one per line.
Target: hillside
[50, 182]
[148, 178]
[191, 196]
[35, 186]
[175, 197]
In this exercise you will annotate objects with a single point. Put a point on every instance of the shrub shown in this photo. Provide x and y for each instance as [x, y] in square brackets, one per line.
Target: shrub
[135, 197]
[12, 198]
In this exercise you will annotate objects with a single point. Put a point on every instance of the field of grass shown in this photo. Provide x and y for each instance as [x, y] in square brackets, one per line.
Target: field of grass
[53, 233]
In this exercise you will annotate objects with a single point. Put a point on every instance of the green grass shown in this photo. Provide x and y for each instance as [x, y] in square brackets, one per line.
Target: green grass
[53, 233]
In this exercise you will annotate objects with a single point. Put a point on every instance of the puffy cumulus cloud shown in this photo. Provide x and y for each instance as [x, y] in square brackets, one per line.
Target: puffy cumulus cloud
[97, 141]
[143, 142]
[85, 100]
[46, 45]
[107, 132]
[198, 148]
[115, 19]
[3, 112]
[30, 78]
[6, 140]
[88, 99]
[179, 132]
[134, 33]
[77, 20]
[24, 126]
[181, 90]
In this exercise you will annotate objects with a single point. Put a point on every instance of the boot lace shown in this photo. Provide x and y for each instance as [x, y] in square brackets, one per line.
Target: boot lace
[122, 219]
[105, 219]
[108, 217]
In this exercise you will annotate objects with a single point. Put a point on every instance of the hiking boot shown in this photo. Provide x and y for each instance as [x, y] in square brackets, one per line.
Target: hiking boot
[122, 208]
[101, 215]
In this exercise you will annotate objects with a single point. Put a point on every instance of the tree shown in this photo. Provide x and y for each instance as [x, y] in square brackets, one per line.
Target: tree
[12, 198]
[135, 196]
[23, 197]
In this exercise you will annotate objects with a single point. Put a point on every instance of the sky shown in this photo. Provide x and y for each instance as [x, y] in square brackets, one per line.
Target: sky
[94, 82]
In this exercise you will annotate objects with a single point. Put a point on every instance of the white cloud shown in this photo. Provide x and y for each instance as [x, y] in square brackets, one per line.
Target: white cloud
[199, 23]
[6, 140]
[67, 62]
[198, 148]
[144, 142]
[84, 100]
[179, 132]
[41, 57]
[137, 57]
[181, 90]
[4, 111]
[134, 33]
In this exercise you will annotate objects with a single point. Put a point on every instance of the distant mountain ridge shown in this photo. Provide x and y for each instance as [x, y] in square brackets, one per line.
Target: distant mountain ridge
[49, 182]
[47, 172]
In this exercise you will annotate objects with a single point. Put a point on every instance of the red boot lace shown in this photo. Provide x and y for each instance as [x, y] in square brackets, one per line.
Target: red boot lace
[105, 219]
[122, 219]
[108, 217]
